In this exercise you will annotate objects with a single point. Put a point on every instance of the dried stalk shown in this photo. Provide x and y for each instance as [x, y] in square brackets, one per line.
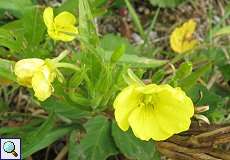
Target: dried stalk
[201, 142]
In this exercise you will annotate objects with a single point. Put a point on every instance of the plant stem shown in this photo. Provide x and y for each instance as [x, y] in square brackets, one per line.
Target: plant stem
[61, 56]
[68, 65]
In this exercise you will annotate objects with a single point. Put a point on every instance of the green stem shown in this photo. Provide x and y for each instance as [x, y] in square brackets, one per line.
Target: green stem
[68, 65]
[61, 56]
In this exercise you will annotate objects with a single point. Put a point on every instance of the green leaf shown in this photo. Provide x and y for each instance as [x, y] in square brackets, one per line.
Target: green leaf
[132, 78]
[34, 28]
[63, 108]
[70, 6]
[166, 3]
[118, 41]
[141, 62]
[201, 96]
[158, 76]
[97, 143]
[225, 69]
[132, 147]
[87, 29]
[135, 18]
[18, 7]
[6, 70]
[72, 145]
[10, 40]
[190, 81]
[45, 141]
[184, 70]
[117, 54]
[222, 31]
[19, 131]
[134, 60]
[42, 137]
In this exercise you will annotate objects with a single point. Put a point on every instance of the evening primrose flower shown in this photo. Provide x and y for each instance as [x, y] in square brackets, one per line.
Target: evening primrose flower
[181, 39]
[39, 74]
[62, 26]
[35, 73]
[153, 111]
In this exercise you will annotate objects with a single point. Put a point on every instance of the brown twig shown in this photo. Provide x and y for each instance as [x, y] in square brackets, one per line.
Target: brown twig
[199, 146]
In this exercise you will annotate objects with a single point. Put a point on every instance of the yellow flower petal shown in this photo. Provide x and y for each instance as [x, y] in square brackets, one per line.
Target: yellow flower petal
[66, 33]
[65, 19]
[189, 27]
[169, 96]
[181, 39]
[176, 40]
[153, 111]
[24, 69]
[27, 82]
[41, 86]
[126, 101]
[145, 126]
[62, 26]
[48, 18]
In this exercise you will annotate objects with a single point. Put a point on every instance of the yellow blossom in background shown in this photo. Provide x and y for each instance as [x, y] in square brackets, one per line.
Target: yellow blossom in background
[182, 38]
[62, 26]
[153, 111]
[37, 74]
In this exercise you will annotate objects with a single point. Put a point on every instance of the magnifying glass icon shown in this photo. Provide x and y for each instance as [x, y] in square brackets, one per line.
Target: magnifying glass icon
[9, 147]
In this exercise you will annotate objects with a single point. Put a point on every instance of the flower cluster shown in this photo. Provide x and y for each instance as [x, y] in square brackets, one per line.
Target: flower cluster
[152, 111]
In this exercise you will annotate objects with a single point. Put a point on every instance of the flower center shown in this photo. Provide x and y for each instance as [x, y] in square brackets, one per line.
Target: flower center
[147, 101]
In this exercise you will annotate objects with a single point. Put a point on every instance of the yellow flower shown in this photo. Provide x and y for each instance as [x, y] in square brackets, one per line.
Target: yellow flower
[37, 74]
[181, 39]
[153, 111]
[62, 26]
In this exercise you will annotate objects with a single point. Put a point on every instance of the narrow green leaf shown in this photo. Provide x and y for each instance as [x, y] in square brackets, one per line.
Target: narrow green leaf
[117, 54]
[41, 137]
[41, 142]
[222, 31]
[97, 143]
[34, 28]
[73, 145]
[18, 7]
[87, 28]
[6, 70]
[136, 20]
[141, 62]
[132, 78]
[166, 3]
